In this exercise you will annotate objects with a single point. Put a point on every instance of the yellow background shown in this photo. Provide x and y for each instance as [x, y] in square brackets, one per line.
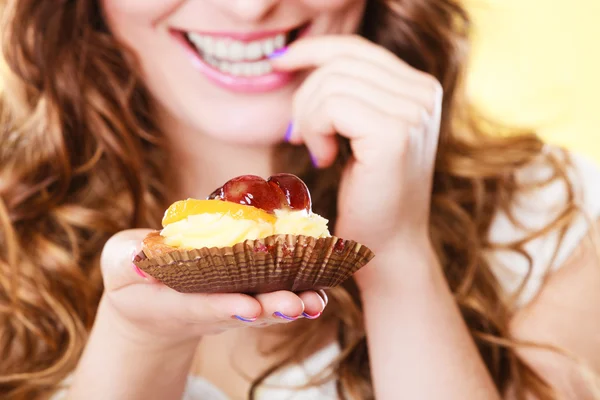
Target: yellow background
[536, 63]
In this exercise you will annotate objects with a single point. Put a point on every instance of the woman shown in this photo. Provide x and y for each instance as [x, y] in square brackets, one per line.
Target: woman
[485, 283]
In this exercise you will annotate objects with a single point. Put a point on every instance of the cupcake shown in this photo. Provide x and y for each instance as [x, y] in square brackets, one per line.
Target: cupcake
[249, 236]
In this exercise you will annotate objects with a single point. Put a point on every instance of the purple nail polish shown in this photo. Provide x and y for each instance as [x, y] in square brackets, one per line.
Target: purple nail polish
[244, 319]
[313, 159]
[288, 132]
[308, 316]
[283, 316]
[278, 53]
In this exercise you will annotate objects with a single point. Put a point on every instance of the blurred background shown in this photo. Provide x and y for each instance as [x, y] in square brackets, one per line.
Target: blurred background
[536, 63]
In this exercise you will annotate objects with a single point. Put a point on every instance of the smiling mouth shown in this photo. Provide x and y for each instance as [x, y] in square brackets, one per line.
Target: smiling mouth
[245, 58]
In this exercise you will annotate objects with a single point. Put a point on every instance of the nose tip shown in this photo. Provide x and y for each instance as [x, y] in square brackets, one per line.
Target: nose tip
[253, 10]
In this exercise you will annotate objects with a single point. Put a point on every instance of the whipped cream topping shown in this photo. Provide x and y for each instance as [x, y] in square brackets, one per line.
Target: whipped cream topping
[221, 230]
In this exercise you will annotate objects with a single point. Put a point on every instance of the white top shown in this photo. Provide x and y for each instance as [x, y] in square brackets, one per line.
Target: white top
[533, 210]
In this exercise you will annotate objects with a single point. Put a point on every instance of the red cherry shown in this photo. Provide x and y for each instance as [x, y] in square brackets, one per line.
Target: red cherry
[294, 190]
[251, 190]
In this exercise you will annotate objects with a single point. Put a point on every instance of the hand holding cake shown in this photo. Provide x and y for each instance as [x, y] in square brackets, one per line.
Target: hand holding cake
[250, 236]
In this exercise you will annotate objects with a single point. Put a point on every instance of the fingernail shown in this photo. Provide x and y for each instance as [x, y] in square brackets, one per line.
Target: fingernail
[308, 316]
[278, 53]
[313, 159]
[138, 271]
[283, 316]
[288, 132]
[244, 319]
[323, 295]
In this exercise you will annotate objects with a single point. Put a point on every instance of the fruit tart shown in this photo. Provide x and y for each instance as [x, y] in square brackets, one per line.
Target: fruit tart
[249, 236]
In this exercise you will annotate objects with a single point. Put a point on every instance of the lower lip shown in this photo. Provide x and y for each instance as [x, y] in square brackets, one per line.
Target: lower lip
[244, 84]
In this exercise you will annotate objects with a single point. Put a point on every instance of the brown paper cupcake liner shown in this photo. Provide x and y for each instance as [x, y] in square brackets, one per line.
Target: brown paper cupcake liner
[279, 262]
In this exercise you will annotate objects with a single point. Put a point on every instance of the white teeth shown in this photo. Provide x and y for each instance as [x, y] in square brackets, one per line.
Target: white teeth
[208, 45]
[241, 69]
[255, 69]
[225, 67]
[197, 40]
[235, 57]
[253, 51]
[237, 69]
[212, 61]
[269, 46]
[221, 50]
[279, 41]
[235, 50]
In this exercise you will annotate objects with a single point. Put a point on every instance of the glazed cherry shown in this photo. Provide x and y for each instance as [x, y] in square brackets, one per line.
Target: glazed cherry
[250, 190]
[294, 189]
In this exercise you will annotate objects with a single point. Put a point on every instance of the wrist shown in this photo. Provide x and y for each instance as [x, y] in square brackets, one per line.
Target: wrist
[120, 362]
[403, 265]
[134, 337]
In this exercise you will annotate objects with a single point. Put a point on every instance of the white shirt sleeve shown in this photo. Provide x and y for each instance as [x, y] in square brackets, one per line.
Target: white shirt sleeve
[534, 210]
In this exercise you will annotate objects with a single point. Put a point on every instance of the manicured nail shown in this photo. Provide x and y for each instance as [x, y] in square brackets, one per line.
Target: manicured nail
[308, 316]
[288, 132]
[138, 255]
[283, 316]
[313, 159]
[244, 319]
[323, 295]
[138, 271]
[278, 53]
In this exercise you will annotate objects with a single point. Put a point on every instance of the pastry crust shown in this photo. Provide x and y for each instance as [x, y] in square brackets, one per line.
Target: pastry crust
[154, 245]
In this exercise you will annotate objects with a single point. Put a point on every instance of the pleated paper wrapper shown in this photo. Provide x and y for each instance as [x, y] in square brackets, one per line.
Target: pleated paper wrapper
[279, 262]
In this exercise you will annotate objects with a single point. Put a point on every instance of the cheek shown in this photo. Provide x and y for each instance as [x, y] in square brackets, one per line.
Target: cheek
[120, 12]
[333, 5]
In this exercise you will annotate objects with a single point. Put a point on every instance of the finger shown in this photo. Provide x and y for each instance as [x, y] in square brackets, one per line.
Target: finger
[281, 306]
[323, 84]
[312, 97]
[156, 298]
[193, 308]
[116, 260]
[314, 304]
[391, 83]
[375, 135]
[315, 51]
[324, 296]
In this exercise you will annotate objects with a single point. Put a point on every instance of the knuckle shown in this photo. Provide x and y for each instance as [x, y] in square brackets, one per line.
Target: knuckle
[401, 138]
[422, 113]
[433, 93]
[436, 90]
[431, 101]
[355, 37]
[417, 116]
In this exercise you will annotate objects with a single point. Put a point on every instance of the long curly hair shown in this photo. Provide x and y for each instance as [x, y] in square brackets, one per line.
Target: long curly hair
[79, 161]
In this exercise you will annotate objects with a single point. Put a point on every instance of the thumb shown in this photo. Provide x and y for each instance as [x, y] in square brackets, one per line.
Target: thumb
[116, 261]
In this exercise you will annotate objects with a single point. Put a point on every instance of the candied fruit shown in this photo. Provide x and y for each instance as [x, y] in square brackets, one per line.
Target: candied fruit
[184, 208]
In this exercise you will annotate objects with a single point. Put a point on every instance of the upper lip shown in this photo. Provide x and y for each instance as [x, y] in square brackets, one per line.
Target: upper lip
[246, 36]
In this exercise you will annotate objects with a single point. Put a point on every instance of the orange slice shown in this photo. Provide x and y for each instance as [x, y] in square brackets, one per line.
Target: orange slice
[184, 208]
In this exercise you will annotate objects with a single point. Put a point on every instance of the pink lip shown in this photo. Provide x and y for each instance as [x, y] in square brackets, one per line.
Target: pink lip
[249, 36]
[243, 36]
[255, 84]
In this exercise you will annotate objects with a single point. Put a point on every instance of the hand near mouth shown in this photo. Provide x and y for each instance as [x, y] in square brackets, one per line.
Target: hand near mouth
[390, 113]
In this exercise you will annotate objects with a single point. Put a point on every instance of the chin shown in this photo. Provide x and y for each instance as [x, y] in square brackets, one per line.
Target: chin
[248, 127]
[250, 136]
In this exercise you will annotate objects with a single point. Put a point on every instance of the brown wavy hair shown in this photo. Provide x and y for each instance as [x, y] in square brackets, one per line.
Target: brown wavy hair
[79, 161]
